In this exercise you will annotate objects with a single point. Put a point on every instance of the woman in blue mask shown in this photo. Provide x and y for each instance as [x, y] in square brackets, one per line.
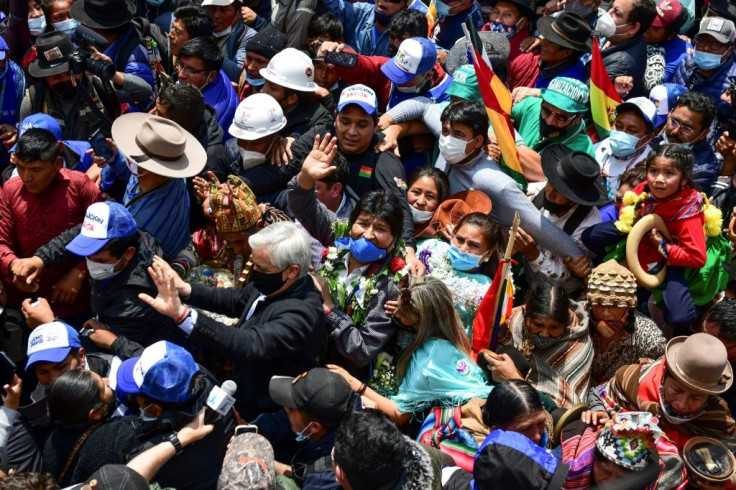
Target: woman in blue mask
[552, 332]
[436, 368]
[469, 248]
[628, 143]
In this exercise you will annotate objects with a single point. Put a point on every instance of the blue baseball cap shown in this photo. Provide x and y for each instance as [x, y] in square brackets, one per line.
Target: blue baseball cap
[103, 222]
[162, 372]
[51, 342]
[360, 95]
[416, 56]
[665, 98]
[38, 120]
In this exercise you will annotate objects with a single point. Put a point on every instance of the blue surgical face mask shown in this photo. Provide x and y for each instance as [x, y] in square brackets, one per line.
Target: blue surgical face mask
[67, 26]
[463, 261]
[362, 250]
[37, 25]
[623, 145]
[707, 61]
[154, 3]
[300, 437]
[256, 82]
[508, 31]
[443, 9]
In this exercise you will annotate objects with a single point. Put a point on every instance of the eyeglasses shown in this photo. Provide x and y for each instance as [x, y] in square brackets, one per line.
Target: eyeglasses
[685, 129]
[561, 118]
[709, 44]
[187, 70]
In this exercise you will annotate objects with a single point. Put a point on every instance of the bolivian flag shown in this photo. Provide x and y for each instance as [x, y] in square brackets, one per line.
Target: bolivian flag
[603, 95]
[497, 99]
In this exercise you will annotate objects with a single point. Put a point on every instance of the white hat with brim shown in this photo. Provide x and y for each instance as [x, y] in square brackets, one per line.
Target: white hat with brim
[159, 145]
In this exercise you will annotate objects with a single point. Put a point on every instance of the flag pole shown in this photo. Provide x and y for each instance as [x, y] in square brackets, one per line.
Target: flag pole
[505, 263]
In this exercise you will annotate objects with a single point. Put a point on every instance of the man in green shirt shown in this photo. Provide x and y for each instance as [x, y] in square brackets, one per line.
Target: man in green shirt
[554, 117]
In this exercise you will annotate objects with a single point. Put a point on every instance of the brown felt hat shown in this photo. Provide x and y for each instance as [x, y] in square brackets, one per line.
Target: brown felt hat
[454, 208]
[700, 363]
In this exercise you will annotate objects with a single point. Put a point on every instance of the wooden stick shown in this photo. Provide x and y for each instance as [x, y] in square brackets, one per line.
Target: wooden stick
[504, 271]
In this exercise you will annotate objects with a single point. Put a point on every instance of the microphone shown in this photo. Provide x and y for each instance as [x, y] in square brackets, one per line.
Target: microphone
[220, 401]
[89, 37]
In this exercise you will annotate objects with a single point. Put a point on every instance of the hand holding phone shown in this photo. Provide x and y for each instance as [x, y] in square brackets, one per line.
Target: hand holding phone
[100, 146]
[7, 369]
[341, 58]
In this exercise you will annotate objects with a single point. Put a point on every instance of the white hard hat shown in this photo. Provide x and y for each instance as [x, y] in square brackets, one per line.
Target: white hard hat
[218, 3]
[257, 116]
[291, 69]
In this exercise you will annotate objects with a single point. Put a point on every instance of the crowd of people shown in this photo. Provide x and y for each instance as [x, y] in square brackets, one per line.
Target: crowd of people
[253, 244]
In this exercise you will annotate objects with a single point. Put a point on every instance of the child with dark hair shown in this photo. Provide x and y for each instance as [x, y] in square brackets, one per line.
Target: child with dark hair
[693, 276]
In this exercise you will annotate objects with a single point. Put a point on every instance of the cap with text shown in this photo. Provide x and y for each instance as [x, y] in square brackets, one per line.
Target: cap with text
[722, 30]
[103, 221]
[360, 95]
[162, 372]
[51, 342]
[416, 56]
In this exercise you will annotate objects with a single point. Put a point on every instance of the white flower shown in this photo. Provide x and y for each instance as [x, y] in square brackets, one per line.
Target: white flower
[374, 291]
[328, 266]
[331, 253]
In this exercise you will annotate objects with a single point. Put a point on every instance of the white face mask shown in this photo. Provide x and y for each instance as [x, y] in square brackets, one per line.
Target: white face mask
[419, 215]
[224, 33]
[101, 272]
[605, 25]
[452, 149]
[251, 158]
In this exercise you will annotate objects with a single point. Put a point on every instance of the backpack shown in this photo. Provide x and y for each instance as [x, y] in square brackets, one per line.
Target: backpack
[152, 38]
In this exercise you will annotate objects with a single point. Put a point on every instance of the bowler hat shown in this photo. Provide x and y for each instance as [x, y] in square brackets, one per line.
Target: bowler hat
[567, 30]
[574, 174]
[103, 14]
[53, 50]
[700, 363]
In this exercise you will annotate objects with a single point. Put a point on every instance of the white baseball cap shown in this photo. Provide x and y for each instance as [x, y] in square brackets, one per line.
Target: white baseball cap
[51, 342]
[217, 3]
[642, 106]
[103, 222]
[416, 56]
[359, 95]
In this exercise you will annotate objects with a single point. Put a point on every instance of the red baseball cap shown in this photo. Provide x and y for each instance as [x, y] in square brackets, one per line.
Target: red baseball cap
[667, 13]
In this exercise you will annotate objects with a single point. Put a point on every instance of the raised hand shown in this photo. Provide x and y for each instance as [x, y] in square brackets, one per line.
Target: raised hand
[318, 164]
[167, 301]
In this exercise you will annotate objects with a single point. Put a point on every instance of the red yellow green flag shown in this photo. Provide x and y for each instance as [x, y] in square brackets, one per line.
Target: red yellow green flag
[603, 95]
[497, 99]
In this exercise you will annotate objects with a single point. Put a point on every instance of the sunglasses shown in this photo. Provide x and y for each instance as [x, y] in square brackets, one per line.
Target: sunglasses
[561, 118]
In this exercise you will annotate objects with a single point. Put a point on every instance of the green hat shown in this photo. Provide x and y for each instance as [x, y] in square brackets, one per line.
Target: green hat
[464, 83]
[567, 94]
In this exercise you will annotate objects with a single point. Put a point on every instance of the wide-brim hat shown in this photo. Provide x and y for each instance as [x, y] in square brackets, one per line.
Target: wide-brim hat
[574, 174]
[103, 14]
[568, 30]
[159, 145]
[526, 7]
[700, 363]
[52, 55]
[454, 208]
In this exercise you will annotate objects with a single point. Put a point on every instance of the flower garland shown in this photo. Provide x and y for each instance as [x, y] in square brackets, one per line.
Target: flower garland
[354, 299]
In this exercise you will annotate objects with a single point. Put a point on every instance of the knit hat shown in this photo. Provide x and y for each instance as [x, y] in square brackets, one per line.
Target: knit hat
[464, 83]
[568, 94]
[248, 464]
[267, 42]
[611, 284]
[234, 206]
[629, 439]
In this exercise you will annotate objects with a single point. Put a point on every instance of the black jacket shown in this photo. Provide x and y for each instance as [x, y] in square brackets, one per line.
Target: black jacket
[115, 301]
[210, 136]
[627, 59]
[307, 114]
[282, 337]
[368, 171]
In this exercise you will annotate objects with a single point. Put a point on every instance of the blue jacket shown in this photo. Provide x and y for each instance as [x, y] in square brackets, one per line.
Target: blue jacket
[449, 28]
[675, 50]
[712, 86]
[707, 166]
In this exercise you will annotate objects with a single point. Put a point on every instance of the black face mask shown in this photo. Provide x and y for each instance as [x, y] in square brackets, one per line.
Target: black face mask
[267, 283]
[553, 207]
[548, 131]
[65, 90]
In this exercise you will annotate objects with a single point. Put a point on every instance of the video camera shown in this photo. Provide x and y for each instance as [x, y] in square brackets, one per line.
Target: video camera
[80, 61]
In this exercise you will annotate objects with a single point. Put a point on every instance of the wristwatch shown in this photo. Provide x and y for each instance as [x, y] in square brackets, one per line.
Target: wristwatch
[174, 440]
